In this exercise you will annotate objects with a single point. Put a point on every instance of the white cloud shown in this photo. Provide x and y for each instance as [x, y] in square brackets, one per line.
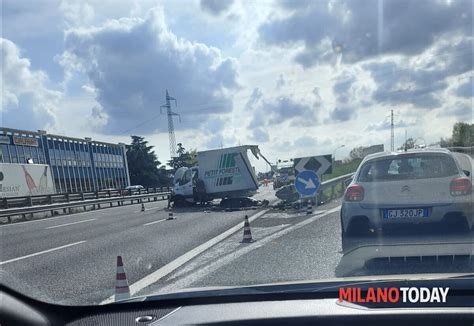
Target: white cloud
[132, 61]
[299, 79]
[358, 30]
[76, 13]
[27, 101]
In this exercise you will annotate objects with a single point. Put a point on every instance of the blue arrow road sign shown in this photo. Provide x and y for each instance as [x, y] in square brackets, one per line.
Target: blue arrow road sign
[307, 183]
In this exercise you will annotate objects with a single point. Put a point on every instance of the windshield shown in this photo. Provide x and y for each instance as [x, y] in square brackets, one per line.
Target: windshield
[151, 147]
[289, 170]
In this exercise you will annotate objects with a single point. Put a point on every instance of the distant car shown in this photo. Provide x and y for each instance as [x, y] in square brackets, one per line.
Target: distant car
[420, 187]
[134, 190]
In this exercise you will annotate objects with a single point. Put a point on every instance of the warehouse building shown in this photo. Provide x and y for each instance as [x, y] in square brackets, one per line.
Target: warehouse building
[77, 164]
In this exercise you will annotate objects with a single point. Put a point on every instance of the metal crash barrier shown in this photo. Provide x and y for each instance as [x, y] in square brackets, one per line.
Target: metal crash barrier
[10, 202]
[95, 203]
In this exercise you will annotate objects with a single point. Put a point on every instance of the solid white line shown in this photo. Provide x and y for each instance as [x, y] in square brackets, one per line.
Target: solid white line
[181, 260]
[98, 211]
[209, 267]
[40, 253]
[155, 222]
[60, 225]
[42, 219]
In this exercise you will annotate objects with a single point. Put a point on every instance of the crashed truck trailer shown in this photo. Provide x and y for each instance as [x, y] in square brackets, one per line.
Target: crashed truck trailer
[220, 173]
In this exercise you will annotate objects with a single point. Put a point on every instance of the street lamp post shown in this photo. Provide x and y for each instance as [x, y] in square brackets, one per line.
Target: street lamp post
[334, 153]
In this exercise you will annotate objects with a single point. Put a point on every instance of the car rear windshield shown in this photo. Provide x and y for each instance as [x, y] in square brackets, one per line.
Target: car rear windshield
[407, 167]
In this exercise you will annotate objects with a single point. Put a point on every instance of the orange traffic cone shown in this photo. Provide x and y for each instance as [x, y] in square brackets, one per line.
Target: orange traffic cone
[122, 291]
[247, 233]
[143, 207]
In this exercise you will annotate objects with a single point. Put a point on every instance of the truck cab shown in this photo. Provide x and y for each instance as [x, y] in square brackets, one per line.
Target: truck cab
[184, 182]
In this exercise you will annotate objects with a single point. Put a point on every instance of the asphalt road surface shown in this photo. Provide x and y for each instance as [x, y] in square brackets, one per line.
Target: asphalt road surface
[71, 259]
[291, 246]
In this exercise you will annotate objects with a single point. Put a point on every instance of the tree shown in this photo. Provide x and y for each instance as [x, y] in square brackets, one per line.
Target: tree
[409, 144]
[143, 164]
[462, 135]
[445, 142]
[184, 158]
[357, 153]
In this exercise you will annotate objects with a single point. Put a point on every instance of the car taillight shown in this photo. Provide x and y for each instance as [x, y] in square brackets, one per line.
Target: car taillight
[354, 193]
[460, 186]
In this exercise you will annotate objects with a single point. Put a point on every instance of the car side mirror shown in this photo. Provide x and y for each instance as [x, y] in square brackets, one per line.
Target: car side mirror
[347, 182]
[466, 172]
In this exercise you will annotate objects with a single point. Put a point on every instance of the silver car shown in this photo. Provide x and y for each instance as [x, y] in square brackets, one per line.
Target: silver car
[421, 186]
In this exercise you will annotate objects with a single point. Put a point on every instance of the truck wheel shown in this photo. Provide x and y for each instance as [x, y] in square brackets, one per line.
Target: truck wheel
[178, 201]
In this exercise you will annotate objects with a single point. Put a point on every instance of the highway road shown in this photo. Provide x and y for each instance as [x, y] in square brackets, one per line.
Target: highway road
[71, 259]
[292, 246]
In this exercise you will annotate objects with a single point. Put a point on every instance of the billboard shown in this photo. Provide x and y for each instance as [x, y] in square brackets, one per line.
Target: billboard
[18, 180]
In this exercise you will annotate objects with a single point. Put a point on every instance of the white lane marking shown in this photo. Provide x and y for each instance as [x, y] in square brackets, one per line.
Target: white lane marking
[72, 223]
[97, 212]
[231, 244]
[40, 253]
[154, 222]
[209, 267]
[44, 219]
[181, 260]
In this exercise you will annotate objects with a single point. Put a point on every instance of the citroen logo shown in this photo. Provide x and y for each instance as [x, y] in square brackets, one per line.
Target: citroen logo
[405, 188]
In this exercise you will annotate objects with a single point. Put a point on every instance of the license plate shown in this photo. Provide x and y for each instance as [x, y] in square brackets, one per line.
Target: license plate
[405, 213]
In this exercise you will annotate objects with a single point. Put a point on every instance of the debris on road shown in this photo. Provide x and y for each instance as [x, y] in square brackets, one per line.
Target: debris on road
[287, 194]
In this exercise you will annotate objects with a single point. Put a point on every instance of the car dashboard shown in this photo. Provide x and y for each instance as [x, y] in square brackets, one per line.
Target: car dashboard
[262, 309]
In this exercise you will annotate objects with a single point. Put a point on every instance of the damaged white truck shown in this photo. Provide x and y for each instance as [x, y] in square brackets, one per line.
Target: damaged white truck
[220, 174]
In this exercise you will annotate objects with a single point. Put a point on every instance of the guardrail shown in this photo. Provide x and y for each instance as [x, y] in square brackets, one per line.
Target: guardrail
[94, 203]
[466, 150]
[328, 190]
[332, 184]
[11, 202]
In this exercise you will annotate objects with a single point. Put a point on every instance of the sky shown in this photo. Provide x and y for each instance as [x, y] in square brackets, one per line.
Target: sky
[297, 77]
